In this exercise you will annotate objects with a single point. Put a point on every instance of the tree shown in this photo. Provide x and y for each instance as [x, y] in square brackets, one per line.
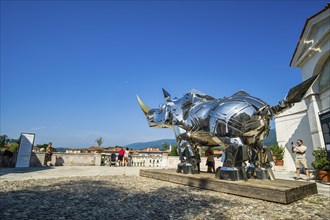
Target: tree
[17, 141]
[174, 151]
[99, 141]
[165, 147]
[3, 140]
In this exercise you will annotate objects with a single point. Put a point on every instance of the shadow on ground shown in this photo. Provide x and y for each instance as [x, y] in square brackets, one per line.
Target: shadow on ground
[8, 170]
[133, 197]
[103, 199]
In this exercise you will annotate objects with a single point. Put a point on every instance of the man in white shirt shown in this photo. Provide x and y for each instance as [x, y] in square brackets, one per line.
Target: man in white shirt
[300, 151]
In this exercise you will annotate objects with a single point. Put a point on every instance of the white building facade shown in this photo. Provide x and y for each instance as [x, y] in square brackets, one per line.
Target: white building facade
[307, 120]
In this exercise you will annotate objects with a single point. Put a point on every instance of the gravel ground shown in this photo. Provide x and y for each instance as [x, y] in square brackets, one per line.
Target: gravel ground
[134, 197]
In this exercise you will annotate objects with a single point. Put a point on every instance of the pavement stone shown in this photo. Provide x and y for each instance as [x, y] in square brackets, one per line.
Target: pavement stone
[17, 174]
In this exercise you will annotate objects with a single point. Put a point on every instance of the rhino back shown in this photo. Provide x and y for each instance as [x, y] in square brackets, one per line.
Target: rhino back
[235, 118]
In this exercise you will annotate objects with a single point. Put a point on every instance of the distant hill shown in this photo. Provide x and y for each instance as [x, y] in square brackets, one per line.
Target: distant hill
[269, 140]
[153, 144]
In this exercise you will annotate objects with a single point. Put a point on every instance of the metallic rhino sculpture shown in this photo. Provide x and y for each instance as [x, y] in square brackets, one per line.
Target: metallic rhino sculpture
[238, 123]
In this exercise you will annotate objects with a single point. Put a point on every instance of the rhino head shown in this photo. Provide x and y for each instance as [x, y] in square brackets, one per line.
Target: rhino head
[158, 117]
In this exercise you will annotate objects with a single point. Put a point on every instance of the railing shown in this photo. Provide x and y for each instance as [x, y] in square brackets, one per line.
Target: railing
[146, 161]
[138, 161]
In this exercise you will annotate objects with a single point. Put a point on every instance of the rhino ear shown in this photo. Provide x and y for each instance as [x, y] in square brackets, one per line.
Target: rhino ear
[167, 95]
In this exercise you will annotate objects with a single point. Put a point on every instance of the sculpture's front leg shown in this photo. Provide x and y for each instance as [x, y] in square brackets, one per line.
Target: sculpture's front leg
[180, 135]
[188, 163]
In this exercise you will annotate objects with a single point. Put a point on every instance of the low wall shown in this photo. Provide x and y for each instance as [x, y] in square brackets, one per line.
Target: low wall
[66, 159]
[59, 159]
[71, 159]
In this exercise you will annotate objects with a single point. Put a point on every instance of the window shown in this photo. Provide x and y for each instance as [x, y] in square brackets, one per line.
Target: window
[324, 78]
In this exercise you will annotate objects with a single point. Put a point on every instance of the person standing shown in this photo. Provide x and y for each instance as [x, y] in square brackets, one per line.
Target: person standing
[121, 156]
[126, 154]
[300, 152]
[48, 154]
[209, 153]
[197, 158]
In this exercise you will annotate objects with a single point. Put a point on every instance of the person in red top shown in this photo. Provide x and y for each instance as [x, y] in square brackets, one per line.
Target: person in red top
[120, 156]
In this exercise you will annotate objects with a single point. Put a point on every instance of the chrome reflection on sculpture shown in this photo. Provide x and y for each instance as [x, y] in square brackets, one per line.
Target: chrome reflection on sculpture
[238, 123]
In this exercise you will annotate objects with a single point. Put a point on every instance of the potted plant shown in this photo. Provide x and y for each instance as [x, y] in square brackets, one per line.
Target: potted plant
[321, 164]
[278, 154]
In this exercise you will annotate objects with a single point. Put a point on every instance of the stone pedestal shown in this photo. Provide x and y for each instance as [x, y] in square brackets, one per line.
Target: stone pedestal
[280, 191]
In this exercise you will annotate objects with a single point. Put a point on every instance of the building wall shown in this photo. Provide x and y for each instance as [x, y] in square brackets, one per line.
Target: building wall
[289, 128]
[302, 121]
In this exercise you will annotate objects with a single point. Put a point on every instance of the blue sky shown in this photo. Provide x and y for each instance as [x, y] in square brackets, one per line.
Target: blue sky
[71, 70]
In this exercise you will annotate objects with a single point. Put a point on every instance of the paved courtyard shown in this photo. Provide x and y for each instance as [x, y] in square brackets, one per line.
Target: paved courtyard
[119, 193]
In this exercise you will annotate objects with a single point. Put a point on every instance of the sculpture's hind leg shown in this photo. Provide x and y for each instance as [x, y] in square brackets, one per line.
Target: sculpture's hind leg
[260, 160]
[234, 167]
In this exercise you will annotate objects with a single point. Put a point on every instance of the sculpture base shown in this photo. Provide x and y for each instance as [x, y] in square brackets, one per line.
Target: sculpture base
[279, 190]
[185, 168]
[231, 173]
[265, 174]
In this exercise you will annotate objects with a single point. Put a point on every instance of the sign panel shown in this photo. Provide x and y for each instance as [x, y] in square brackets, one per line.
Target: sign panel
[25, 149]
[325, 124]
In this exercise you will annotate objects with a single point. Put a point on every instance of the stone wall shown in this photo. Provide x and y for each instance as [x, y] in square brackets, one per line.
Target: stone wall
[60, 159]
[70, 159]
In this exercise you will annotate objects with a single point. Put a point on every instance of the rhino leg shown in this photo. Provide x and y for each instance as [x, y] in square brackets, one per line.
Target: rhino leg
[188, 162]
[260, 160]
[234, 163]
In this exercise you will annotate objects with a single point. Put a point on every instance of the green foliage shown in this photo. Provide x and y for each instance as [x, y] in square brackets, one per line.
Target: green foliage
[3, 140]
[17, 141]
[321, 162]
[174, 151]
[165, 146]
[13, 147]
[277, 151]
[99, 141]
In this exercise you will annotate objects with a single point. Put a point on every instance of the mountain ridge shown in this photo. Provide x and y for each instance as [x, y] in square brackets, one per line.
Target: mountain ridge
[269, 140]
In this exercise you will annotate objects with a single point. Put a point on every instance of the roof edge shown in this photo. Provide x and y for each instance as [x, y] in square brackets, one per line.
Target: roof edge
[302, 32]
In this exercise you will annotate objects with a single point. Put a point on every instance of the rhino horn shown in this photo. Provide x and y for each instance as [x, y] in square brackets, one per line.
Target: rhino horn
[167, 95]
[144, 108]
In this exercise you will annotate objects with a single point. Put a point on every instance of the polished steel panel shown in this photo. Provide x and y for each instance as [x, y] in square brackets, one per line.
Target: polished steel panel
[201, 120]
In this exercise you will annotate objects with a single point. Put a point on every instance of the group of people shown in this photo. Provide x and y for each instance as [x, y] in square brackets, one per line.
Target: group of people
[123, 157]
[210, 163]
